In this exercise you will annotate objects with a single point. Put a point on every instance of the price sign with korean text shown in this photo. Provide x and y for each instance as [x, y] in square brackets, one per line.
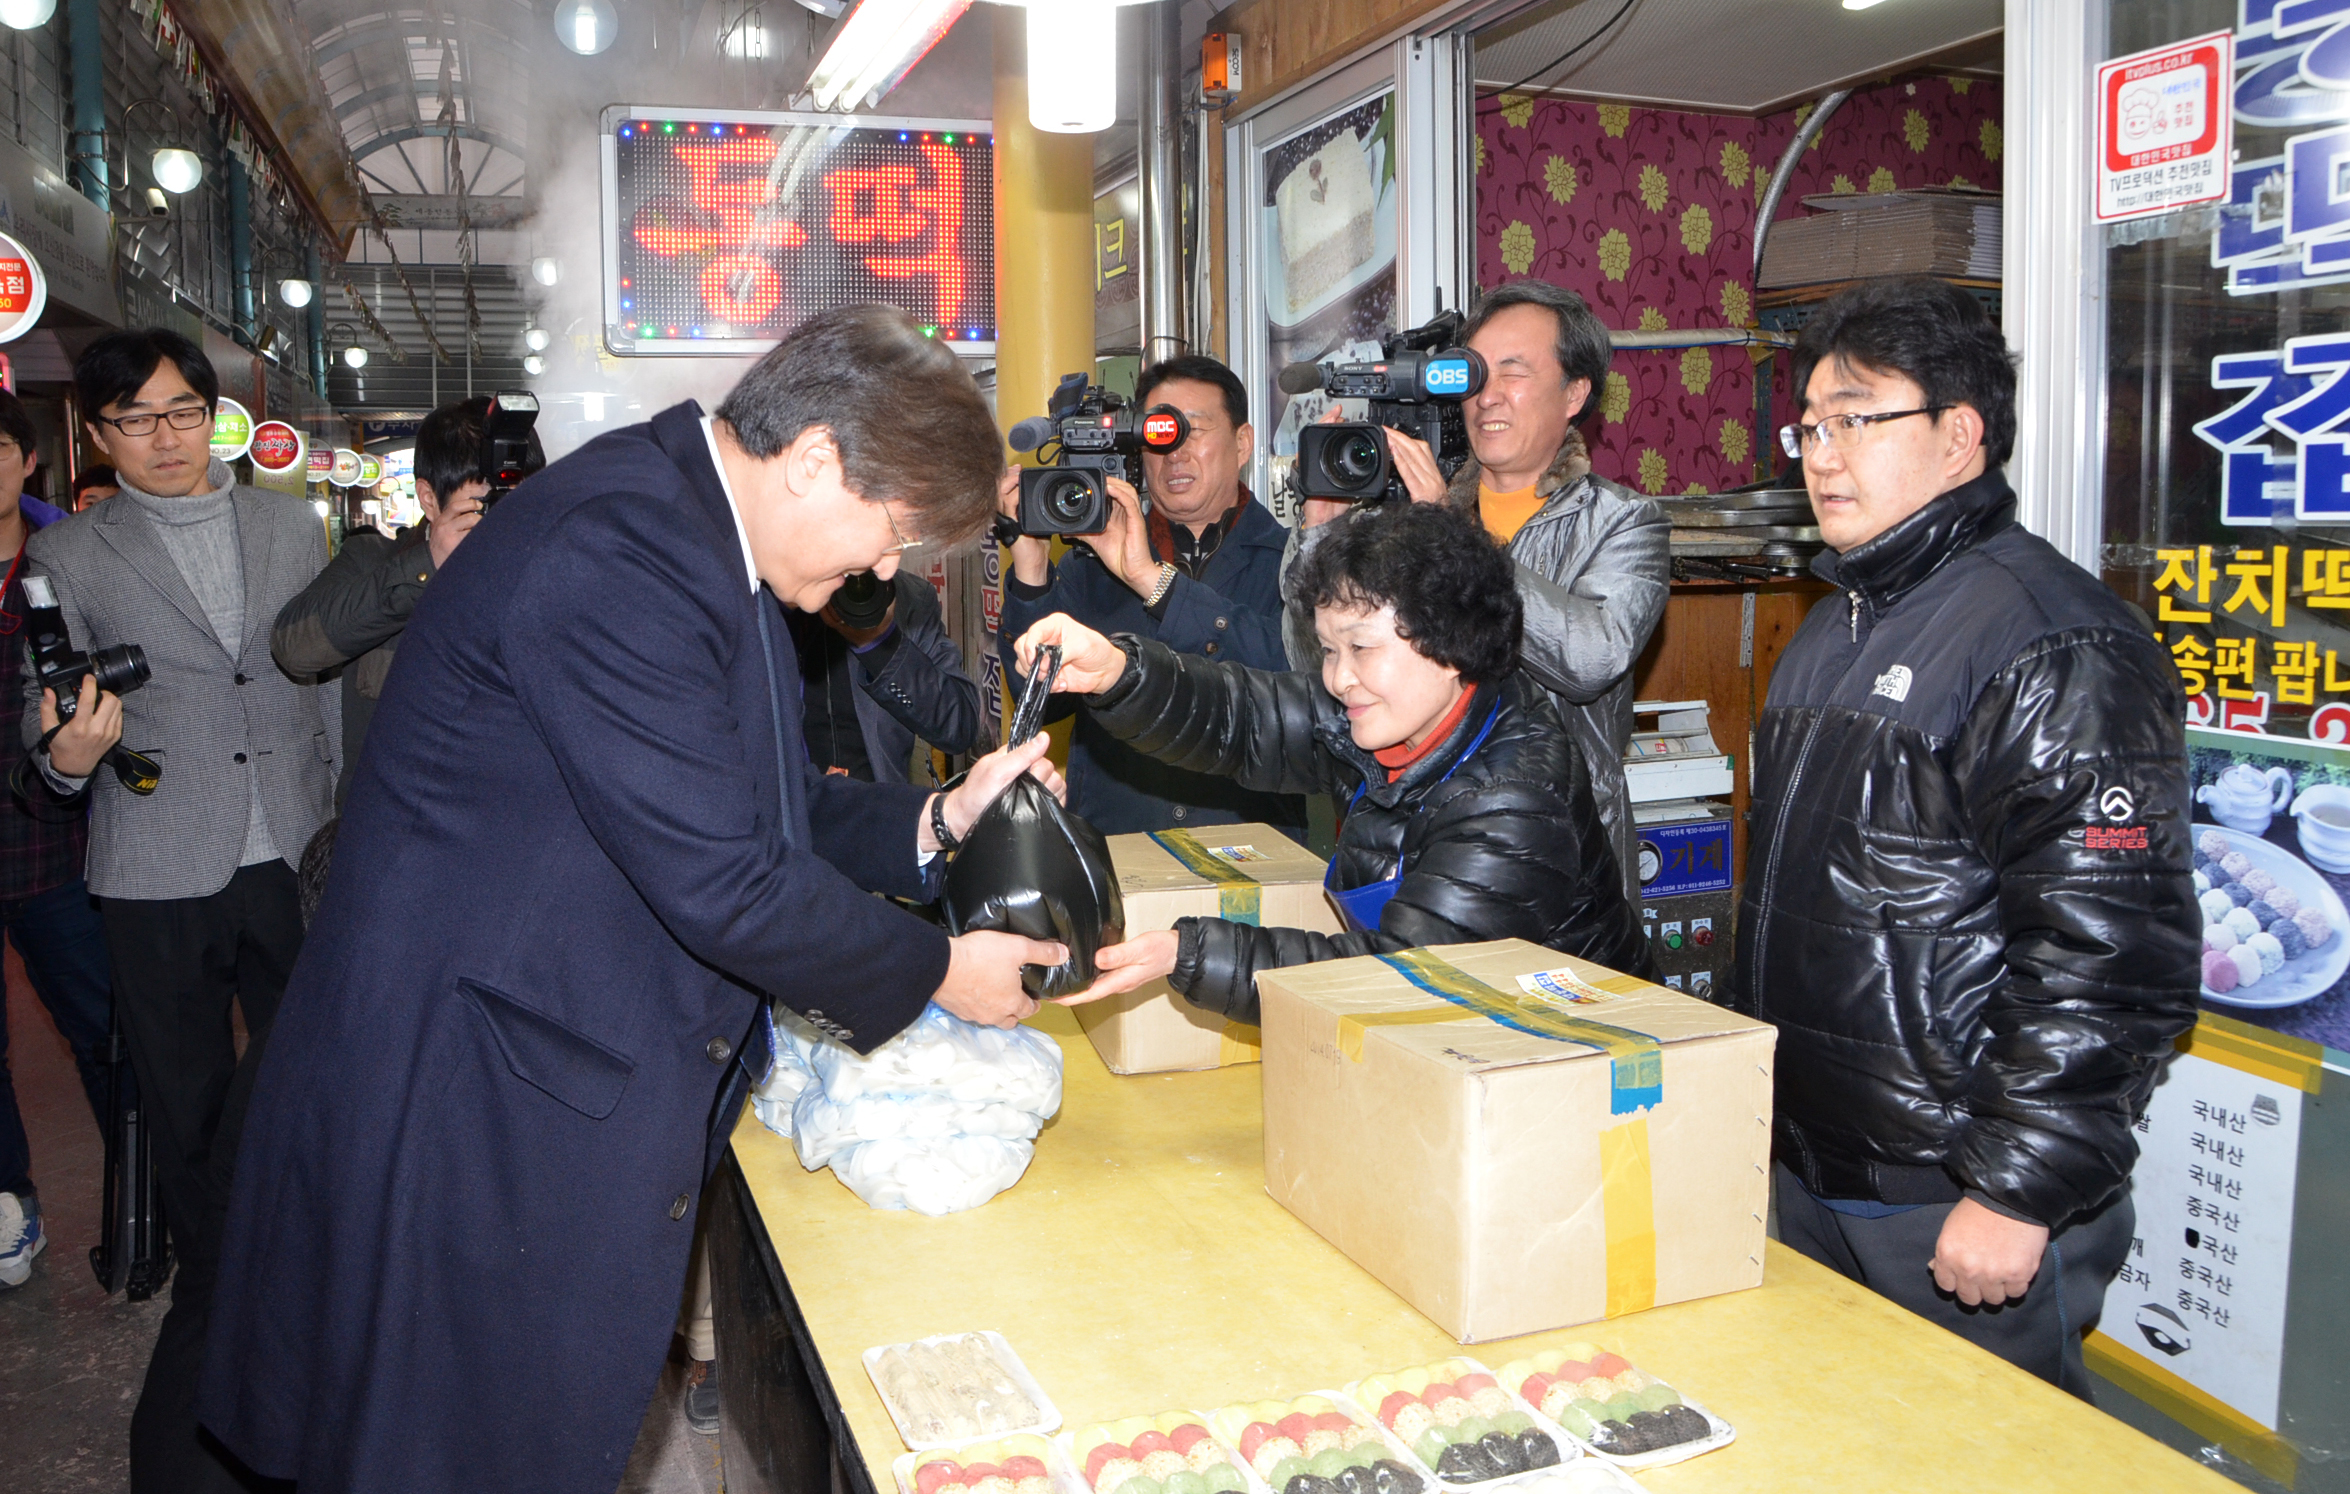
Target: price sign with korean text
[2164, 127]
[723, 231]
[24, 290]
[2202, 1294]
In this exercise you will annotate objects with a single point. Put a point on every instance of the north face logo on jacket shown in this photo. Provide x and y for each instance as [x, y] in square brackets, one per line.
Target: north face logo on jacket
[1893, 683]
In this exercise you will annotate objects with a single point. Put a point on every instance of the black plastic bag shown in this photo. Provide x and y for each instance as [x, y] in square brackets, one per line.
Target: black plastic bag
[1029, 866]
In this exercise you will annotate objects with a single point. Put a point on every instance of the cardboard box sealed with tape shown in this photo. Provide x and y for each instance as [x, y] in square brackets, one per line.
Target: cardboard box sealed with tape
[1248, 873]
[1513, 1140]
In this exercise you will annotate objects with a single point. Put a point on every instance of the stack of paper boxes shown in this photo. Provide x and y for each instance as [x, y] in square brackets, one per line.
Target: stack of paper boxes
[1680, 784]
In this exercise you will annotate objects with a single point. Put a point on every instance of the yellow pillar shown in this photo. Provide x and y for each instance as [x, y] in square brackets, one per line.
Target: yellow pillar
[1044, 259]
[1044, 256]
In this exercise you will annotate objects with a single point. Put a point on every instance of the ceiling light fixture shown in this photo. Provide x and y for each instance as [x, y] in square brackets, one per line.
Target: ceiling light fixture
[586, 26]
[355, 356]
[1861, 4]
[1072, 66]
[534, 365]
[536, 339]
[177, 169]
[877, 47]
[26, 15]
[295, 292]
[546, 269]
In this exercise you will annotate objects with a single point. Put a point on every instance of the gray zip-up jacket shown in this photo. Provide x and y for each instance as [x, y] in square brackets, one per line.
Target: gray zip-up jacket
[1593, 573]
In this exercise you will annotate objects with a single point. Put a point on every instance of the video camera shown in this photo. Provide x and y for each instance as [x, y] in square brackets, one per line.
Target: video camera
[1417, 388]
[1095, 433]
[59, 667]
[510, 449]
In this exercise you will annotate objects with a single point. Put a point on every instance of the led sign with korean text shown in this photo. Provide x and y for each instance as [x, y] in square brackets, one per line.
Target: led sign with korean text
[723, 232]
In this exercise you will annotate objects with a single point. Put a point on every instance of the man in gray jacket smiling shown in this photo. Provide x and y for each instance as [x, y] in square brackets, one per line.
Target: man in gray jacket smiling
[1592, 565]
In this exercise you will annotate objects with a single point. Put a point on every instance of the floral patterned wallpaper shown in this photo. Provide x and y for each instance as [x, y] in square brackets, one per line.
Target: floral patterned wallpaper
[1649, 215]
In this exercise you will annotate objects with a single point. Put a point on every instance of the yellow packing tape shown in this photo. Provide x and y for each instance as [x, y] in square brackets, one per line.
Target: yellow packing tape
[1238, 895]
[1241, 1043]
[1627, 1192]
[1351, 1028]
[1636, 1064]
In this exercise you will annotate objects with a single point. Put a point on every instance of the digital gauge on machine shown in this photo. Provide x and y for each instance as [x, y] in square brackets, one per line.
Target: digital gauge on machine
[722, 231]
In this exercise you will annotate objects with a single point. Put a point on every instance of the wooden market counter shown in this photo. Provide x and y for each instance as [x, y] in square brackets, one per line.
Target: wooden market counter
[1140, 1266]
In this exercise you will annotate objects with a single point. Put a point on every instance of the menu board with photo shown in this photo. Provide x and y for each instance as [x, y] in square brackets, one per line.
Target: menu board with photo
[1328, 227]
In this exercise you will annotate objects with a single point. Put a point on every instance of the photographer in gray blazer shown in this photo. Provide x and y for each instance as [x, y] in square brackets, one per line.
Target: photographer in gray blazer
[193, 880]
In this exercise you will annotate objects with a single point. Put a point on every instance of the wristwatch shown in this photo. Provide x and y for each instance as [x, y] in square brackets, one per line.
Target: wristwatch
[947, 839]
[1167, 575]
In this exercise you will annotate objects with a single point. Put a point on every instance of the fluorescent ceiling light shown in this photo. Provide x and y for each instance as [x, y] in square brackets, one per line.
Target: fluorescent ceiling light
[1861, 4]
[1072, 65]
[877, 47]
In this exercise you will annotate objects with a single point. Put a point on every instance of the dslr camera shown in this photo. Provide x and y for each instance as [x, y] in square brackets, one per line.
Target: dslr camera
[1416, 388]
[1095, 435]
[62, 668]
[510, 449]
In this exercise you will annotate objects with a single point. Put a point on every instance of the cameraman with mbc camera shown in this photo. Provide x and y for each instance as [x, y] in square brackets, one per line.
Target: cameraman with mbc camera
[1592, 566]
[1200, 573]
[353, 613]
[193, 872]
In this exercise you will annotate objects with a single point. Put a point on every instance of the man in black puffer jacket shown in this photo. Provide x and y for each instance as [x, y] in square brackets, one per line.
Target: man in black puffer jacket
[1468, 808]
[1969, 910]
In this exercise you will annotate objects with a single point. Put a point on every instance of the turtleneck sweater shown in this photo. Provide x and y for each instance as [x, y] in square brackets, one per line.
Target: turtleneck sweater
[199, 532]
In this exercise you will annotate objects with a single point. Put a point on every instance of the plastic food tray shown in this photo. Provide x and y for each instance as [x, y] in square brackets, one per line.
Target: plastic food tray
[1048, 1417]
[1340, 1403]
[1569, 1449]
[1064, 1478]
[1583, 1476]
[1066, 1441]
[1723, 1435]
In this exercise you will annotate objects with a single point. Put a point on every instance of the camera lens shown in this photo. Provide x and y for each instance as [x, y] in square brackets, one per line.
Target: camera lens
[1068, 500]
[1354, 459]
[120, 669]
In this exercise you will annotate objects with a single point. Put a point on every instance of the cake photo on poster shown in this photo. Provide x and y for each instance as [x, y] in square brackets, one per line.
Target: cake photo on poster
[2271, 836]
[1327, 247]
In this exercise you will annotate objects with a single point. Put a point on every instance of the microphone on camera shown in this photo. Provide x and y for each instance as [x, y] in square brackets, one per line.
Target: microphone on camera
[1033, 432]
[1300, 378]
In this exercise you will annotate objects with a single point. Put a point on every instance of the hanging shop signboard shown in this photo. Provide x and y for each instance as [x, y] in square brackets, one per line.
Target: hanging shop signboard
[276, 447]
[232, 430]
[2163, 127]
[371, 469]
[319, 465]
[724, 230]
[345, 471]
[24, 290]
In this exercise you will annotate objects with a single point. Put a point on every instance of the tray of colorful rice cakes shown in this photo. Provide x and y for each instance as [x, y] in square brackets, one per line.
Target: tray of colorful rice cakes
[1461, 1423]
[1317, 1444]
[1024, 1463]
[1173, 1453]
[2272, 927]
[1615, 1408]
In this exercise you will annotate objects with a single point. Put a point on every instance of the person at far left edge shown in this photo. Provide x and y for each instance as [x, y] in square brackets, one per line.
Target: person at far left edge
[45, 905]
[1200, 573]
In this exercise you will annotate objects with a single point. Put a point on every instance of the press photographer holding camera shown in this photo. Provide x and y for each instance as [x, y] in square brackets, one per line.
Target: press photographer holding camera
[351, 616]
[1200, 572]
[192, 866]
[1590, 553]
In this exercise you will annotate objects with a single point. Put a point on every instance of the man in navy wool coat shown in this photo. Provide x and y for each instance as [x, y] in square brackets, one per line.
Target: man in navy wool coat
[584, 843]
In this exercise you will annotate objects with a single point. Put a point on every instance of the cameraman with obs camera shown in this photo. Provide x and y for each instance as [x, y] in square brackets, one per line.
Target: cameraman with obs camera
[192, 836]
[350, 618]
[1592, 566]
[1200, 573]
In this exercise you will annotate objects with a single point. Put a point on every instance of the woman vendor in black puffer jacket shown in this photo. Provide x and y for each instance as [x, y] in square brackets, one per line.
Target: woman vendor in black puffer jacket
[1466, 808]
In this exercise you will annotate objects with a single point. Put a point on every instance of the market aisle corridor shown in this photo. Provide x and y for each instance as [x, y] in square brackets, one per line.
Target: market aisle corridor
[71, 1358]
